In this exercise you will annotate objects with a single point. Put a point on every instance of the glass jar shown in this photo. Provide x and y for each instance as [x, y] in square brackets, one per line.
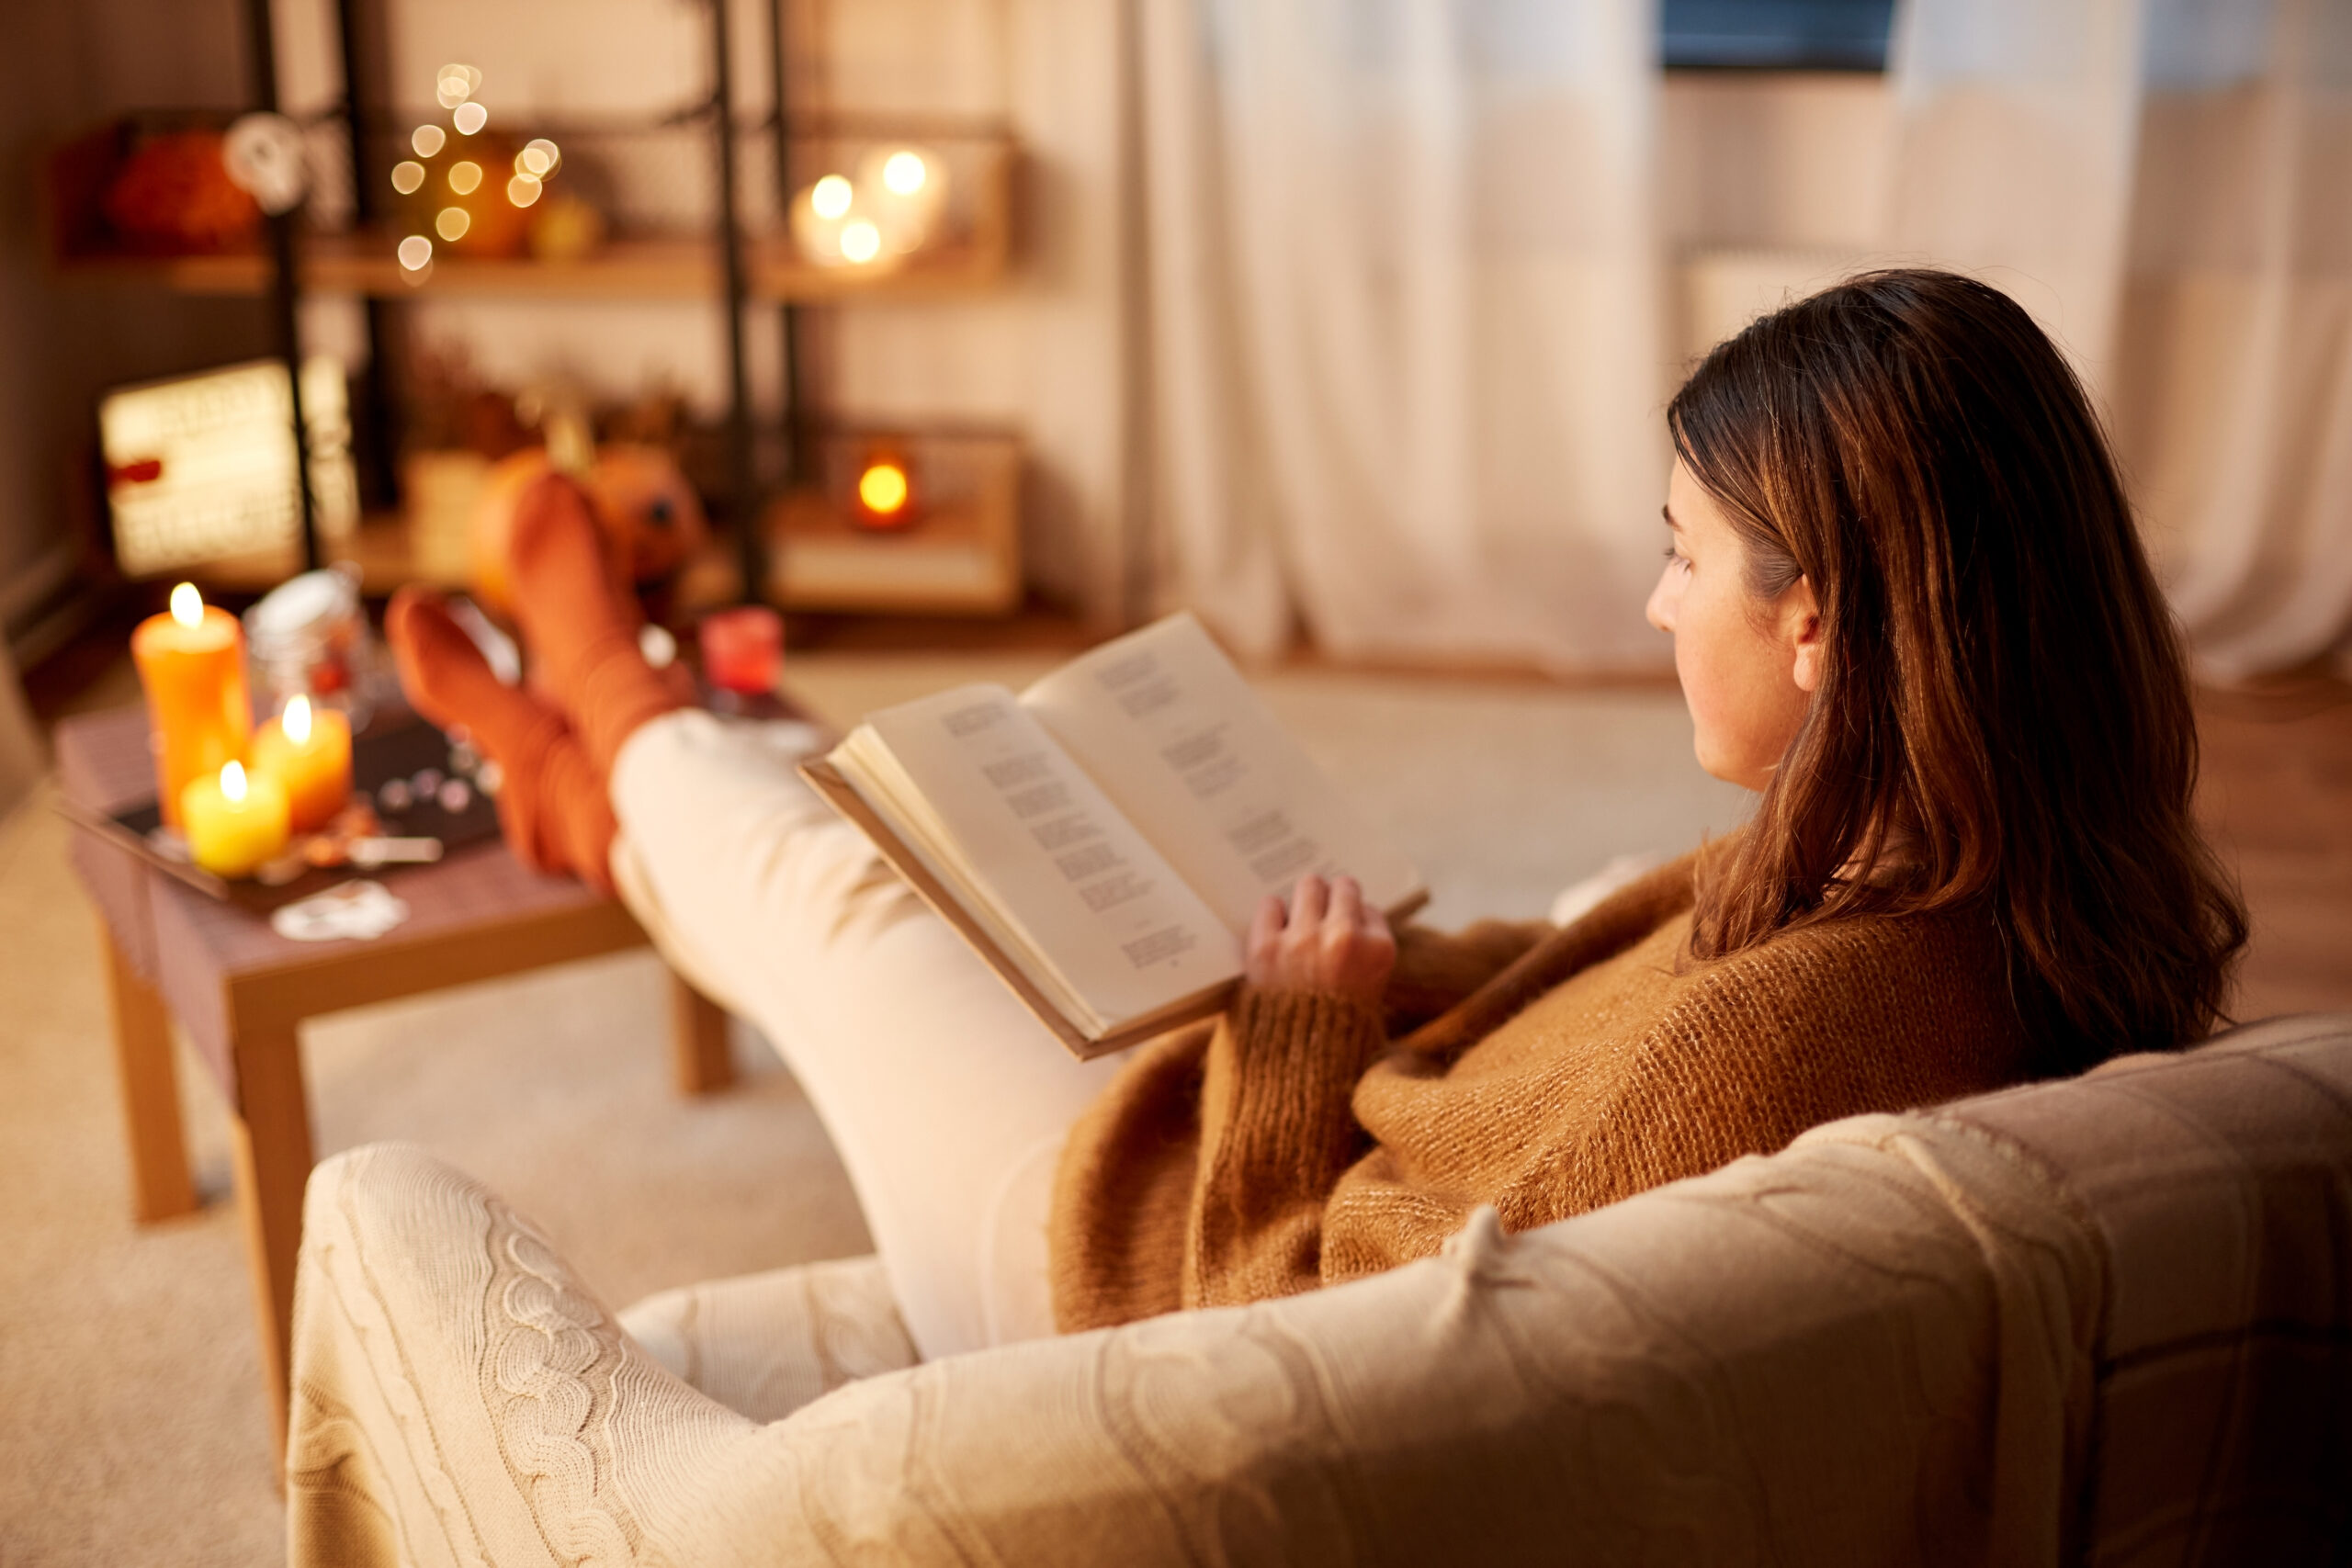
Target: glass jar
[309, 636]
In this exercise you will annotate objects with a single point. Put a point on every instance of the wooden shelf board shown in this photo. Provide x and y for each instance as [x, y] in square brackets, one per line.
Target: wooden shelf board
[380, 546]
[679, 267]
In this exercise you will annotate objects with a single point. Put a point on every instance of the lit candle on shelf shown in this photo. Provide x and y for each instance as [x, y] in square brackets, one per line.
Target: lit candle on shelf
[903, 190]
[885, 493]
[234, 823]
[308, 752]
[192, 662]
[742, 649]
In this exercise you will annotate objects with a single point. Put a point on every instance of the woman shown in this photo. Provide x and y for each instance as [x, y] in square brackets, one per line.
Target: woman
[1908, 609]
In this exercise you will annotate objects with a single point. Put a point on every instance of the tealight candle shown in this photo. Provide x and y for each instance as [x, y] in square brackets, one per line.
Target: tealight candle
[192, 662]
[742, 649]
[233, 823]
[308, 752]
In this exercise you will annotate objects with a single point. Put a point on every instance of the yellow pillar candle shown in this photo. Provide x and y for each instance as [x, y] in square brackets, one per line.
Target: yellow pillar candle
[308, 751]
[192, 663]
[233, 823]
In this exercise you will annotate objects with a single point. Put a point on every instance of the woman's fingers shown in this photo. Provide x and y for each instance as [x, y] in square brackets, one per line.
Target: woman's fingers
[1266, 925]
[1347, 903]
[1325, 941]
[1307, 902]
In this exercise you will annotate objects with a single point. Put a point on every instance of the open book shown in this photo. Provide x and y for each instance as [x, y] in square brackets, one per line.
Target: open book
[1103, 838]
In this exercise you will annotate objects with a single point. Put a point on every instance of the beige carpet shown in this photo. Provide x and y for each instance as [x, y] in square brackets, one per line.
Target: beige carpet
[133, 1430]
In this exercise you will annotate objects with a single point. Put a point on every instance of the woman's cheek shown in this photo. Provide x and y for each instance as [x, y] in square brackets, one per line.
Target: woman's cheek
[1717, 664]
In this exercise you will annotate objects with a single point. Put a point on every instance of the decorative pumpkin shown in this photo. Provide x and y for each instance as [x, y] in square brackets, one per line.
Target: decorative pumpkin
[651, 519]
[174, 197]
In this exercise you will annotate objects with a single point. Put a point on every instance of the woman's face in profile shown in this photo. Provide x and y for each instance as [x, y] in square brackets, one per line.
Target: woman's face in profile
[1748, 666]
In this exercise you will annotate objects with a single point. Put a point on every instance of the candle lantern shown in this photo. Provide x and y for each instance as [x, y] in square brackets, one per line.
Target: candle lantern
[742, 649]
[904, 189]
[834, 225]
[191, 662]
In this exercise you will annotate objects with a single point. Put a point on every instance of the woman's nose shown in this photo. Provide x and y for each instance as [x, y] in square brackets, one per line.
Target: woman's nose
[1660, 609]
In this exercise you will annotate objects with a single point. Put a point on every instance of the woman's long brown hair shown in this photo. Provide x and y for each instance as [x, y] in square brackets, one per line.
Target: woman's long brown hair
[2003, 719]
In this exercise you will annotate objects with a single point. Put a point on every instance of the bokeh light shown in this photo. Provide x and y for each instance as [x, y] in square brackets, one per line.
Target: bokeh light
[408, 176]
[861, 240]
[469, 118]
[415, 253]
[465, 178]
[882, 490]
[428, 141]
[523, 190]
[451, 223]
[453, 84]
[832, 196]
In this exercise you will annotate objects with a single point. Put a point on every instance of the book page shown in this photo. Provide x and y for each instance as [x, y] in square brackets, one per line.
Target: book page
[1056, 866]
[1170, 730]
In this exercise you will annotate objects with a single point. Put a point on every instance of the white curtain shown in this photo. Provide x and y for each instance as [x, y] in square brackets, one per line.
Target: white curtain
[1407, 344]
[1405, 347]
[2167, 185]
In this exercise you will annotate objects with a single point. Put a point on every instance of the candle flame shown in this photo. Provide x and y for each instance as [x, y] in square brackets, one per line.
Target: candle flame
[233, 782]
[296, 720]
[883, 487]
[905, 173]
[187, 606]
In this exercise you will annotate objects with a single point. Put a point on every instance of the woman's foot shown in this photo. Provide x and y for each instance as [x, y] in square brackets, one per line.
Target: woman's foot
[581, 624]
[553, 808]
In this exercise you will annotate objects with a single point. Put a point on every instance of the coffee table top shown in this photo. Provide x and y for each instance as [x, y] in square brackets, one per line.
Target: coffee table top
[474, 914]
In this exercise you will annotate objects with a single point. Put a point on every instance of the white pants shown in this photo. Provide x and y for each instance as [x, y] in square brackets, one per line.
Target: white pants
[948, 1102]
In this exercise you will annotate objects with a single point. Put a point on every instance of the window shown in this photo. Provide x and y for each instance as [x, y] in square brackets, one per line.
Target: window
[1775, 34]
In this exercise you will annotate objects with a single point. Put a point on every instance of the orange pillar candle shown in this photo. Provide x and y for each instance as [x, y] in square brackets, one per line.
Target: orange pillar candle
[192, 662]
[233, 823]
[308, 751]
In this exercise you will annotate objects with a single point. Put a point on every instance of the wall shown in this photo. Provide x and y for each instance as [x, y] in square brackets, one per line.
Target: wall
[1770, 185]
[1766, 182]
[68, 67]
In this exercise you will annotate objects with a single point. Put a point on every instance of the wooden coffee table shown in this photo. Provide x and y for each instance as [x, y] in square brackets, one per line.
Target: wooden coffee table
[241, 992]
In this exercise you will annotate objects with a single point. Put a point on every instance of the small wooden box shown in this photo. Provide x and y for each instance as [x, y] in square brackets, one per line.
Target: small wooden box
[960, 555]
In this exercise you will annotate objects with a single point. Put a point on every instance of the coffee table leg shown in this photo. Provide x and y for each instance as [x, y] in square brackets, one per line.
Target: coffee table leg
[273, 1158]
[699, 1059]
[161, 1185]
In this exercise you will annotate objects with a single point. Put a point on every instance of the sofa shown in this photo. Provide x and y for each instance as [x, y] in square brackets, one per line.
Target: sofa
[2104, 1320]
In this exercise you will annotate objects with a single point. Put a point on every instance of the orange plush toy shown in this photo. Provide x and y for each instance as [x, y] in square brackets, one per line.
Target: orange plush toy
[651, 520]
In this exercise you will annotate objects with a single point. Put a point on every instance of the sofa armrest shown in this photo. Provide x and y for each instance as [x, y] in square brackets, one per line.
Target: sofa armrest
[1868, 1348]
[456, 1388]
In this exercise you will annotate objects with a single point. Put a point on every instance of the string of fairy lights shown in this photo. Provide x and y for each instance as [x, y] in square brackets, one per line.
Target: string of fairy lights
[454, 199]
[451, 184]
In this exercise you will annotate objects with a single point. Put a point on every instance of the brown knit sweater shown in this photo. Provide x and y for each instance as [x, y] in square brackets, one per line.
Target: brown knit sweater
[1304, 1140]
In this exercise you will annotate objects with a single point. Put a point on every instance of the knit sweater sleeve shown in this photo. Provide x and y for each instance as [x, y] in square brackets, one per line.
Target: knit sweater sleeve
[1276, 1133]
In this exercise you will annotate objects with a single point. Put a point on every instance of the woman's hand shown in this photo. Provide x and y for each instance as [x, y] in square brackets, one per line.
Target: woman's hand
[1326, 941]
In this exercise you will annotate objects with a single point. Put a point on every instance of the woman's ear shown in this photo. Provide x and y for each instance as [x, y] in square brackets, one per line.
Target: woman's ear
[1808, 639]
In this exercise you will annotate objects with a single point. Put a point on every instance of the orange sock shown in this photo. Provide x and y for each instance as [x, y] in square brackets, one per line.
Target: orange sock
[553, 808]
[580, 624]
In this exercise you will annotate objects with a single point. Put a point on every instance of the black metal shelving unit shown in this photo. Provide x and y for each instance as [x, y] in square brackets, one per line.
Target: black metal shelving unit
[744, 499]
